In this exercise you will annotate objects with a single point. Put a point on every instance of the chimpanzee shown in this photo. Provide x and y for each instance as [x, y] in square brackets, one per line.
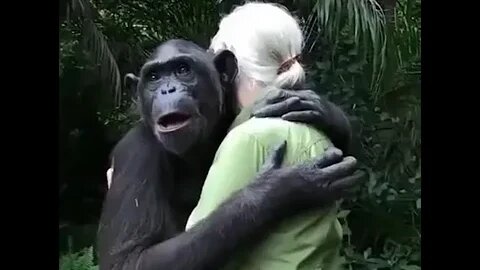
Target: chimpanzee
[161, 163]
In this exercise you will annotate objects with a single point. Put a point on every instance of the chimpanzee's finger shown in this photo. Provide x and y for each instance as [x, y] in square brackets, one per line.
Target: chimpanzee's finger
[343, 185]
[341, 169]
[331, 156]
[278, 109]
[275, 95]
[291, 105]
[275, 159]
[308, 105]
[303, 116]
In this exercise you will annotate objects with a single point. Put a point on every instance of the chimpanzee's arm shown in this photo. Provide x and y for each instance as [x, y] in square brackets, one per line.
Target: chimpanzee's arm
[208, 244]
[136, 212]
[306, 106]
[249, 212]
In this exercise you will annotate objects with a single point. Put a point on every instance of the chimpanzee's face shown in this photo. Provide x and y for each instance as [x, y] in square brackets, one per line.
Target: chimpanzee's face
[181, 94]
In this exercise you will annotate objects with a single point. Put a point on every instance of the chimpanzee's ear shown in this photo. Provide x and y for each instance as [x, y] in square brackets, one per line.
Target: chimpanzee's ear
[226, 64]
[131, 82]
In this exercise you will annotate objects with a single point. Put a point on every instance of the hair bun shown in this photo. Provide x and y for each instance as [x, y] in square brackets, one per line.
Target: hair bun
[287, 64]
[291, 78]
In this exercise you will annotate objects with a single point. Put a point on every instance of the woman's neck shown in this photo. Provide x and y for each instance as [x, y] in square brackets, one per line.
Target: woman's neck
[247, 94]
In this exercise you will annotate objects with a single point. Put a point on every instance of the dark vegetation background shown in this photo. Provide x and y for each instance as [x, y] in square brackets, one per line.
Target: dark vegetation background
[363, 54]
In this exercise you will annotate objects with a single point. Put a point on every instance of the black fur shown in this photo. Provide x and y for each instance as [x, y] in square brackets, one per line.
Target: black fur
[158, 175]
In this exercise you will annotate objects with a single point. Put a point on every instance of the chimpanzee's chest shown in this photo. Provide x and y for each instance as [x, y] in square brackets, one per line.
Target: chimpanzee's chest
[188, 178]
[186, 193]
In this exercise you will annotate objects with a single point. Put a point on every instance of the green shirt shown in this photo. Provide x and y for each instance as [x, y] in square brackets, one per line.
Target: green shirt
[310, 240]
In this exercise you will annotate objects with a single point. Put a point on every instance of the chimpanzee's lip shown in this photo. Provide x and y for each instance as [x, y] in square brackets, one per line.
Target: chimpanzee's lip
[173, 121]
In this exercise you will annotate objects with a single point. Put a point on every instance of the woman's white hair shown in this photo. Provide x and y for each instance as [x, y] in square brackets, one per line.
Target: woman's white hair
[263, 36]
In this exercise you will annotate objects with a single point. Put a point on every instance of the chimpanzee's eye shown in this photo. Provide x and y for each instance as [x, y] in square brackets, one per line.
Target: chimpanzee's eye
[152, 76]
[182, 70]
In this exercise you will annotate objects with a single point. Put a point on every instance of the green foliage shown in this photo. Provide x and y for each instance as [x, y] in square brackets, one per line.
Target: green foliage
[82, 13]
[365, 22]
[382, 231]
[82, 260]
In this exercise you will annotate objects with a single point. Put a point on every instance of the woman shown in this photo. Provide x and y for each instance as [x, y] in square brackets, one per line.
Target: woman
[267, 42]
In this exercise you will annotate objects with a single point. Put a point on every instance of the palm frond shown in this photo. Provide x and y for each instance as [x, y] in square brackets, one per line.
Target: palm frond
[79, 9]
[84, 12]
[194, 19]
[366, 19]
[403, 50]
[109, 71]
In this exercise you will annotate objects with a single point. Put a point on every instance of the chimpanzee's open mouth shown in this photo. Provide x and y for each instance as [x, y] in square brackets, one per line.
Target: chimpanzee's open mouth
[173, 121]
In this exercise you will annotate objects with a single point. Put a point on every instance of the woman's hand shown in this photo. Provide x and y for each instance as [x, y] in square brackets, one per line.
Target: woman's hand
[109, 177]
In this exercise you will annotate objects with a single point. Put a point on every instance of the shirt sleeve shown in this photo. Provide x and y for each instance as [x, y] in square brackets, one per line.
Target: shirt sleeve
[236, 163]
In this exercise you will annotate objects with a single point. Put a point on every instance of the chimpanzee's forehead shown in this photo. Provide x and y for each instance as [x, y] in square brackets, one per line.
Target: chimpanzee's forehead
[175, 48]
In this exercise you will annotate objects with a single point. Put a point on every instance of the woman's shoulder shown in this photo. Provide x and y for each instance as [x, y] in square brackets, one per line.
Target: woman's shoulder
[270, 126]
[273, 130]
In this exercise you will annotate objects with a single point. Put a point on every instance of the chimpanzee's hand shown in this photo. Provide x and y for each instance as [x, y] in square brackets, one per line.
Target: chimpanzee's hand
[307, 107]
[314, 184]
[301, 105]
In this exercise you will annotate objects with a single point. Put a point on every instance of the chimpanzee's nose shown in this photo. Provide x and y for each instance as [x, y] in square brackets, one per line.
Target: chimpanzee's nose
[168, 90]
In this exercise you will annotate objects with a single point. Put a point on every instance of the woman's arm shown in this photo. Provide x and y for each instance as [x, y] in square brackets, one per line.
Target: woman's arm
[109, 176]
